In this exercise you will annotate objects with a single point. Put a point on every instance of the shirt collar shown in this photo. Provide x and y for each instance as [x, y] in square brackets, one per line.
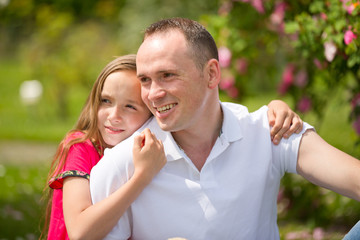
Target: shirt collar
[231, 128]
[172, 150]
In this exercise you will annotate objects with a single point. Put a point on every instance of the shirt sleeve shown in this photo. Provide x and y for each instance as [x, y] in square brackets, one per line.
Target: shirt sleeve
[113, 171]
[285, 154]
[77, 164]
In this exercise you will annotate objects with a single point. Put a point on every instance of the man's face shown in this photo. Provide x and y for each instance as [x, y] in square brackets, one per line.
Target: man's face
[172, 87]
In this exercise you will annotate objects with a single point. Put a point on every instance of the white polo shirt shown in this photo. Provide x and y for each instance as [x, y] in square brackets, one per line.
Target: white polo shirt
[234, 196]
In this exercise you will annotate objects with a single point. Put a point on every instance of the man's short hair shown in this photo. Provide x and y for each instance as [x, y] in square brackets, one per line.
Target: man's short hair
[201, 44]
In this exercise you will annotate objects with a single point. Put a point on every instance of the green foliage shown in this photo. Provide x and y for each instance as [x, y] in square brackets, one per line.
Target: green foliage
[33, 122]
[306, 202]
[249, 40]
[20, 200]
[66, 58]
[312, 46]
[65, 44]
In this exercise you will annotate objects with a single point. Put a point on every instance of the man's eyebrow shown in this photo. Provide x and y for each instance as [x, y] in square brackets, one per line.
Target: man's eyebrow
[140, 75]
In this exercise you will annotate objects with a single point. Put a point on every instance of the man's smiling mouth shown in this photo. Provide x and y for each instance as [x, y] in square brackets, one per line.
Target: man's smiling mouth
[165, 108]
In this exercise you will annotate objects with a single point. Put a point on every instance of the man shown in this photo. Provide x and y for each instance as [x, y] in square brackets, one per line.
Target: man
[223, 173]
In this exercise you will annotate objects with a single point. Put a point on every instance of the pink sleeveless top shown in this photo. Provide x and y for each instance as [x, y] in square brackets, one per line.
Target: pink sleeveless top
[81, 159]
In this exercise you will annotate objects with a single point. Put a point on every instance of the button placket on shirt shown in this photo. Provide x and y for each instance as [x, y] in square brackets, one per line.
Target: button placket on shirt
[207, 174]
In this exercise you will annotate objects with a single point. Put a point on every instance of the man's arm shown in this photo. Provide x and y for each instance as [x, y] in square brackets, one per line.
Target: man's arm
[327, 166]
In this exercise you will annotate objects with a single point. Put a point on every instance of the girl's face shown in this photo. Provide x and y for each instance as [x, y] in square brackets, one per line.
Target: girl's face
[121, 111]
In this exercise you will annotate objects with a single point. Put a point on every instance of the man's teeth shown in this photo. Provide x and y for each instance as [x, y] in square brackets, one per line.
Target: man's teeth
[165, 108]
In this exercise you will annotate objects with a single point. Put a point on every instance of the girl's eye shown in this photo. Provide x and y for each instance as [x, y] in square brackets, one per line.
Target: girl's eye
[130, 106]
[105, 100]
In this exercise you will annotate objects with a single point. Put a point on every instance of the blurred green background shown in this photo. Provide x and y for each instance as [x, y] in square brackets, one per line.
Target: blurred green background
[64, 45]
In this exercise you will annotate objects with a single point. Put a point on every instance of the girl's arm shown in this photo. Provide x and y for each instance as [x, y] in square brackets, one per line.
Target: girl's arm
[86, 221]
[283, 120]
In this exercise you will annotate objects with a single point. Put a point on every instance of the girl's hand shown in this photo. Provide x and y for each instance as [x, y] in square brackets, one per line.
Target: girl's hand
[283, 121]
[148, 154]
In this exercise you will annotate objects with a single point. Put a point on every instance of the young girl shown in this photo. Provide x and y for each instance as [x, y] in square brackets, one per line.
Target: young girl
[113, 111]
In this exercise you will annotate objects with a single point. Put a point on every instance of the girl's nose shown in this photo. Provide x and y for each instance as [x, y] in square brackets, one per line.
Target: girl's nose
[115, 113]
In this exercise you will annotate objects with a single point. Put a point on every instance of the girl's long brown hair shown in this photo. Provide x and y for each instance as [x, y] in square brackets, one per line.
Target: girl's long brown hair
[87, 124]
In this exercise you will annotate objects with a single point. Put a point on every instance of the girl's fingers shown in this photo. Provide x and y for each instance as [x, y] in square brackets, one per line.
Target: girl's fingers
[296, 126]
[283, 128]
[139, 142]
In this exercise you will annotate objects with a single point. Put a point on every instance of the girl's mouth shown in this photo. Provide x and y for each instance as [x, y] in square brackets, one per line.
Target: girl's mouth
[114, 130]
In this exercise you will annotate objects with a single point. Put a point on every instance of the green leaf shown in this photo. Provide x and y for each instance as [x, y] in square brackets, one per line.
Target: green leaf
[317, 7]
[291, 27]
[353, 59]
[340, 24]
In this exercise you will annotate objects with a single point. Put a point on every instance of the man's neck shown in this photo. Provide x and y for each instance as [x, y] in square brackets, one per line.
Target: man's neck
[198, 143]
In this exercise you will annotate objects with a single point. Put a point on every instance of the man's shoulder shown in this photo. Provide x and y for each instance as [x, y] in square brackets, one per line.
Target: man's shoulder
[125, 146]
[241, 111]
[235, 108]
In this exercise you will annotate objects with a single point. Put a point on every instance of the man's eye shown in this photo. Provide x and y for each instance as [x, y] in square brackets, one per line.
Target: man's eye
[144, 79]
[167, 75]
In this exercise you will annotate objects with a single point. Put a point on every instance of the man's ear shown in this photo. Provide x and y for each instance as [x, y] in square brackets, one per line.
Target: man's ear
[214, 73]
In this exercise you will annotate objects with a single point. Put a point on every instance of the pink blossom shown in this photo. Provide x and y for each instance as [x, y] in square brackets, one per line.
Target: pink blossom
[287, 78]
[323, 16]
[227, 82]
[283, 88]
[298, 235]
[320, 65]
[348, 37]
[301, 79]
[277, 16]
[224, 57]
[233, 92]
[241, 65]
[356, 125]
[318, 234]
[329, 51]
[225, 8]
[281, 194]
[288, 74]
[349, 7]
[355, 102]
[304, 105]
[257, 4]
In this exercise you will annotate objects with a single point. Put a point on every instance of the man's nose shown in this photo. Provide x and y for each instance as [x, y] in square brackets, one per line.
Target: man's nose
[156, 91]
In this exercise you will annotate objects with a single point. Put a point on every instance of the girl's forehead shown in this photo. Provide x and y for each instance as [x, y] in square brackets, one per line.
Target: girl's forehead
[122, 84]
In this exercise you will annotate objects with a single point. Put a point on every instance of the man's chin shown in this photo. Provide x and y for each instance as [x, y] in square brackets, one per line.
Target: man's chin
[165, 126]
